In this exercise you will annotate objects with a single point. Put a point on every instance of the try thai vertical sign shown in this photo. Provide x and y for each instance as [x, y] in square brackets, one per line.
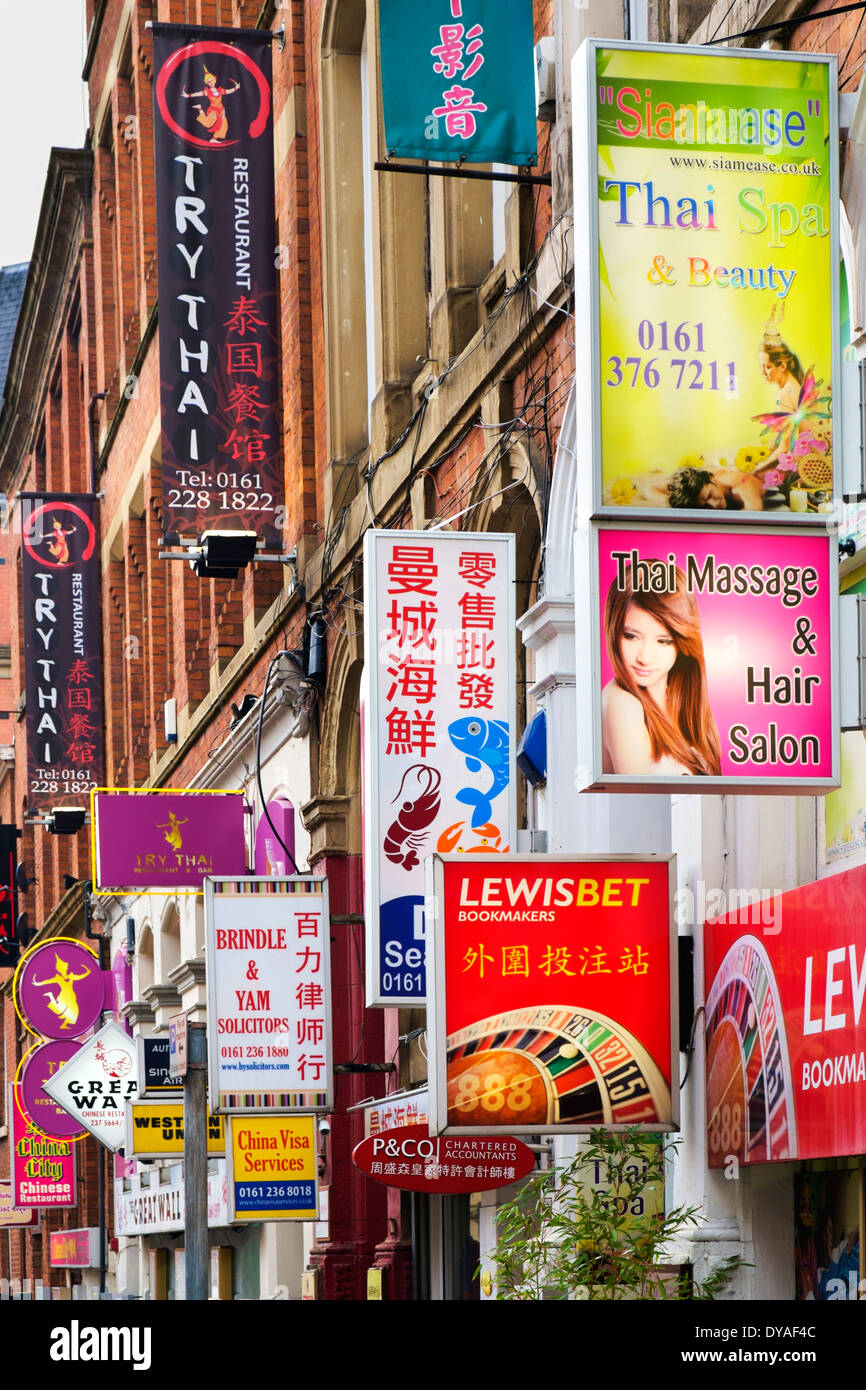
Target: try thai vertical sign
[218, 336]
[711, 260]
[63, 647]
[268, 952]
[438, 729]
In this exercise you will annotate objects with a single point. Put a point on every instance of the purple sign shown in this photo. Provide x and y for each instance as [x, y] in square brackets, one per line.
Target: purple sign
[169, 840]
[271, 858]
[121, 977]
[60, 989]
[45, 1113]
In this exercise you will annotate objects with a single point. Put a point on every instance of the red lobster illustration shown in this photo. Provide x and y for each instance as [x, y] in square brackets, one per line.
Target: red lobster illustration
[405, 835]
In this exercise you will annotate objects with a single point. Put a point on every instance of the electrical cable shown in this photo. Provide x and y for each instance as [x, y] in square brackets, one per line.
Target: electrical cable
[260, 723]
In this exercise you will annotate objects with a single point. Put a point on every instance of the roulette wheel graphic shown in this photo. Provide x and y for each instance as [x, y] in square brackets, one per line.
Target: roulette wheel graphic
[531, 1068]
[750, 1094]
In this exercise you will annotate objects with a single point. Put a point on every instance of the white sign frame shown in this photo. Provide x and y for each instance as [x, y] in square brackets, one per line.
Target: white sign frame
[380, 818]
[57, 1086]
[262, 892]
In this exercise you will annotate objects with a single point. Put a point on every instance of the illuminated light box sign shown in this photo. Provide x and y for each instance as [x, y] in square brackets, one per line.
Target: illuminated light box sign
[552, 1002]
[710, 259]
[438, 733]
[713, 653]
[268, 950]
[786, 1033]
[410, 1159]
[63, 647]
[272, 1168]
[163, 841]
[97, 1084]
[458, 80]
[222, 463]
[74, 1249]
[43, 1168]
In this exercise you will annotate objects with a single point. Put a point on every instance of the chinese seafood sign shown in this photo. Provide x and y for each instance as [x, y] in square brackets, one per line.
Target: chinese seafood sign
[786, 1040]
[712, 264]
[552, 994]
[458, 80]
[218, 337]
[714, 654]
[438, 729]
[63, 647]
[268, 952]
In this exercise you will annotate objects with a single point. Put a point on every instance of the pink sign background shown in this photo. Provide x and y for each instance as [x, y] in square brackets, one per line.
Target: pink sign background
[41, 1063]
[154, 841]
[749, 630]
[43, 1170]
[60, 989]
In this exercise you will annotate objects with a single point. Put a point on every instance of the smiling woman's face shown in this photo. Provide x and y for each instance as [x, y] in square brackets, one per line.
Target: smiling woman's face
[648, 650]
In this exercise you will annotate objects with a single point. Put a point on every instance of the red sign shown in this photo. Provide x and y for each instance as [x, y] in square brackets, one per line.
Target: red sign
[410, 1159]
[551, 1008]
[74, 1249]
[786, 1046]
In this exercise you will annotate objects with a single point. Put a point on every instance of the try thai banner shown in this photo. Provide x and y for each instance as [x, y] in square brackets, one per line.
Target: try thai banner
[711, 270]
[437, 728]
[713, 660]
[164, 841]
[552, 993]
[268, 952]
[62, 647]
[786, 1043]
[458, 80]
[218, 329]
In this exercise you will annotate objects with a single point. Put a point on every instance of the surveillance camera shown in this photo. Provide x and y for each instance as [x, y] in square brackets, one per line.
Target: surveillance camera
[324, 1127]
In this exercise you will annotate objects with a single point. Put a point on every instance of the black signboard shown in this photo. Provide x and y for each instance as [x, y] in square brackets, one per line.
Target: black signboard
[63, 648]
[153, 1062]
[218, 336]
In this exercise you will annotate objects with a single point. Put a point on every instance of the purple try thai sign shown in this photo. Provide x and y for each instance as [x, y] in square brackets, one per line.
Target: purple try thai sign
[167, 840]
[60, 989]
[39, 1065]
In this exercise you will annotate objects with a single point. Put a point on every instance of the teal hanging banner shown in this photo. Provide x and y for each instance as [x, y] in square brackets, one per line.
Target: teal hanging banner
[458, 80]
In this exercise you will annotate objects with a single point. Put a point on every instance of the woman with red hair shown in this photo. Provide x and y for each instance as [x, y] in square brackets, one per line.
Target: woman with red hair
[656, 716]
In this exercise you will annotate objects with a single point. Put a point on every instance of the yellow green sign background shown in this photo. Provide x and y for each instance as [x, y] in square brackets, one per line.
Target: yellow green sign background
[735, 153]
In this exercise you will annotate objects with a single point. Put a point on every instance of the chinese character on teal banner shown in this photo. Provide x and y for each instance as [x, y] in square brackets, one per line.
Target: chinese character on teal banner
[458, 80]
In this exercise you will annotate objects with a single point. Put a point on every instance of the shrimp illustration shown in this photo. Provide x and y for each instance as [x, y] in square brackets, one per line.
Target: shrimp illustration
[405, 835]
[64, 1003]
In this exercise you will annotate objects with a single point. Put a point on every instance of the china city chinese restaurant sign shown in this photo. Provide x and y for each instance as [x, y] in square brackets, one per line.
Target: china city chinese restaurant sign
[552, 999]
[219, 368]
[785, 1026]
[438, 727]
[709, 261]
[63, 647]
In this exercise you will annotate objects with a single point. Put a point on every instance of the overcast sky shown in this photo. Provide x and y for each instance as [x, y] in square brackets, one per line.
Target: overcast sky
[42, 103]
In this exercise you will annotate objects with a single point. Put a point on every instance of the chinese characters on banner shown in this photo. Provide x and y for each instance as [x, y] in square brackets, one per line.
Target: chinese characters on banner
[458, 80]
[269, 1000]
[786, 1072]
[63, 648]
[438, 729]
[711, 261]
[552, 993]
[743, 647]
[219, 369]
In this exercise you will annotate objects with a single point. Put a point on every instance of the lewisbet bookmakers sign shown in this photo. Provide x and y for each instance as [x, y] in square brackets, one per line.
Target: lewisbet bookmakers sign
[552, 993]
[786, 1036]
[709, 266]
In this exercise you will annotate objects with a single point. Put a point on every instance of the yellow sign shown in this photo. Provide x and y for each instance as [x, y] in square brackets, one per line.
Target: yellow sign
[155, 1129]
[273, 1168]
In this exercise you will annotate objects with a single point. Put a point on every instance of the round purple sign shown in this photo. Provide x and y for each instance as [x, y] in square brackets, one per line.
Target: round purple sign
[60, 989]
[44, 1112]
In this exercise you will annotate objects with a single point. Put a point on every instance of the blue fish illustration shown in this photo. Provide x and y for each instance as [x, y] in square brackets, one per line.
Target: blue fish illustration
[482, 741]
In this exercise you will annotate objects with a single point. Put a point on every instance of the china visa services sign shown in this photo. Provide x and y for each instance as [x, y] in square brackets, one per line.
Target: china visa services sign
[438, 729]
